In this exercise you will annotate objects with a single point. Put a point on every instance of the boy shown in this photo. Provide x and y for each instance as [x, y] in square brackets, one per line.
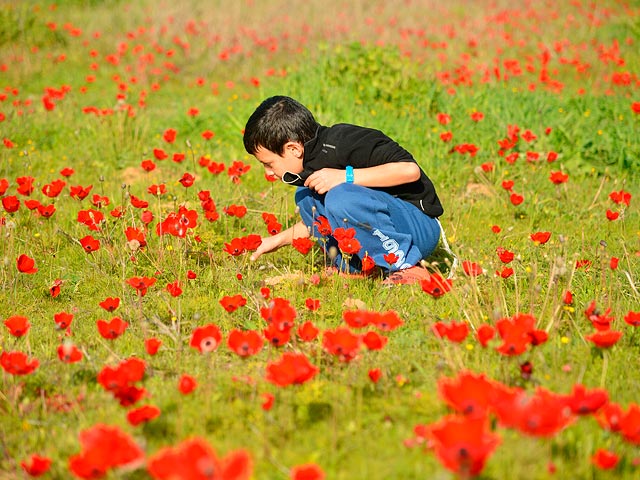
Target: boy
[353, 176]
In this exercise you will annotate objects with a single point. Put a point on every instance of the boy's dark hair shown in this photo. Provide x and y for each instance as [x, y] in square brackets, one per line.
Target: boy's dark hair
[276, 121]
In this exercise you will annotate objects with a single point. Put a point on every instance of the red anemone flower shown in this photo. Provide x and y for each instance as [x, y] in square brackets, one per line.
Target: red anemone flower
[63, 320]
[187, 180]
[291, 368]
[342, 343]
[308, 471]
[469, 394]
[454, 331]
[463, 444]
[558, 177]
[308, 332]
[604, 338]
[245, 343]
[169, 135]
[26, 264]
[195, 459]
[386, 321]
[11, 204]
[89, 244]
[69, 353]
[151, 345]
[323, 226]
[472, 269]
[206, 338]
[233, 303]
[312, 304]
[142, 414]
[375, 374]
[17, 363]
[17, 325]
[585, 402]
[485, 333]
[302, 244]
[605, 459]
[540, 238]
[374, 341]
[632, 318]
[235, 247]
[36, 465]
[112, 329]
[174, 289]
[110, 304]
[103, 448]
[505, 255]
[141, 284]
[435, 285]
[187, 384]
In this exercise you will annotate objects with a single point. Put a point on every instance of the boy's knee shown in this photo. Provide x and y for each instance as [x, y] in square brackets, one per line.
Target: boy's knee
[341, 198]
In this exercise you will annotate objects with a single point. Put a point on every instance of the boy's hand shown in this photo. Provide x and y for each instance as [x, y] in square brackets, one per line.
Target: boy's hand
[285, 237]
[325, 179]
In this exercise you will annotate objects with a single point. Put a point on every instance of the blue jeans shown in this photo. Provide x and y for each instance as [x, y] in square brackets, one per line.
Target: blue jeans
[383, 224]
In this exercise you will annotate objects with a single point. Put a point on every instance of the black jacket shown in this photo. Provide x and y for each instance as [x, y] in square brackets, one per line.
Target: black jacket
[342, 145]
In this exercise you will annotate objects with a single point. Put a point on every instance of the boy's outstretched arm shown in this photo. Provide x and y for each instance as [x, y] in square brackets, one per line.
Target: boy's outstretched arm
[386, 175]
[274, 242]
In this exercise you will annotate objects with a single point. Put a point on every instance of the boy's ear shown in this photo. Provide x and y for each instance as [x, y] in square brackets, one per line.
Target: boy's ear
[296, 148]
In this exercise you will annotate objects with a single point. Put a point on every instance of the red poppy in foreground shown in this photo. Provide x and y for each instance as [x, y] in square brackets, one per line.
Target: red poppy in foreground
[435, 285]
[233, 303]
[453, 331]
[246, 343]
[36, 465]
[485, 333]
[463, 444]
[112, 329]
[604, 459]
[142, 414]
[206, 338]
[17, 363]
[292, 368]
[632, 318]
[308, 471]
[195, 459]
[472, 269]
[303, 245]
[308, 331]
[342, 343]
[543, 414]
[187, 384]
[469, 394]
[540, 238]
[89, 243]
[120, 380]
[104, 447]
[69, 353]
[151, 345]
[110, 303]
[585, 402]
[174, 289]
[63, 320]
[26, 264]
[18, 325]
[604, 338]
[141, 284]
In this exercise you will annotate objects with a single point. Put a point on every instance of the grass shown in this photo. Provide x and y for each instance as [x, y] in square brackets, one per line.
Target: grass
[383, 65]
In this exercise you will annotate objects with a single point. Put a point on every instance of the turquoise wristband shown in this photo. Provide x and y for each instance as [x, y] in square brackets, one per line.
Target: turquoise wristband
[349, 174]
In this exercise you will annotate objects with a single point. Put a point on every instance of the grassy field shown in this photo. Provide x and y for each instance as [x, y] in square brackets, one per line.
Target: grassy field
[122, 120]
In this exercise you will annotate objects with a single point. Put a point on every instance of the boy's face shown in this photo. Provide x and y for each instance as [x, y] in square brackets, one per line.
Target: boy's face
[277, 165]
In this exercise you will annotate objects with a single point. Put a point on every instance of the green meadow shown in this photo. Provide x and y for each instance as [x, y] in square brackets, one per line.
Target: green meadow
[123, 175]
